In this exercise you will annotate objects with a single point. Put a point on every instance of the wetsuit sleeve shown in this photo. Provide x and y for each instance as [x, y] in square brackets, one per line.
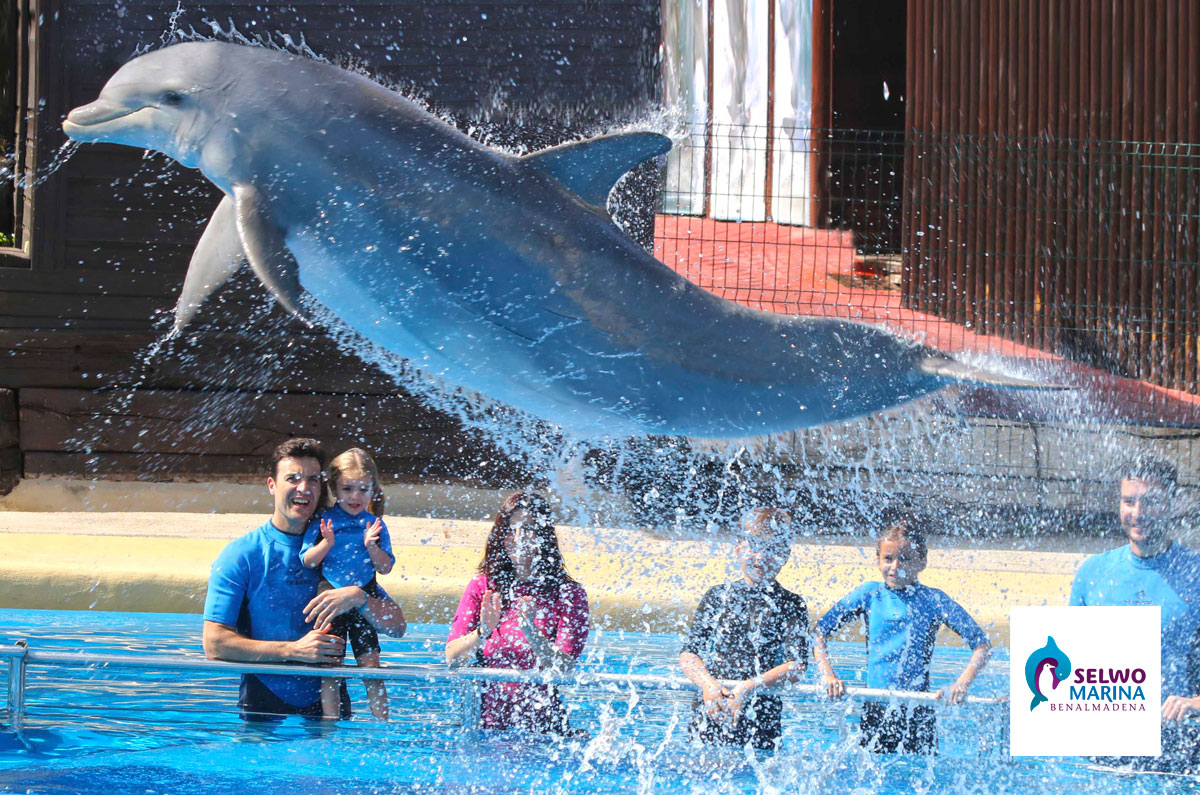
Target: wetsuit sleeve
[796, 639]
[228, 584]
[572, 632]
[1081, 584]
[385, 540]
[955, 617]
[852, 606]
[703, 629]
[466, 618]
[312, 534]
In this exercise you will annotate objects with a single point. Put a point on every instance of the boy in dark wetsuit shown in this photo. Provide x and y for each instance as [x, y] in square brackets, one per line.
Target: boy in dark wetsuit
[753, 631]
[902, 617]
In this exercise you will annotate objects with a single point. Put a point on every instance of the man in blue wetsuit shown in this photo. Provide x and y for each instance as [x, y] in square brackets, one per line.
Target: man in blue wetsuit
[1154, 570]
[263, 605]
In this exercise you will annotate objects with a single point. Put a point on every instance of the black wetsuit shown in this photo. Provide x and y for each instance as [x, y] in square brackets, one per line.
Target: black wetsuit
[741, 631]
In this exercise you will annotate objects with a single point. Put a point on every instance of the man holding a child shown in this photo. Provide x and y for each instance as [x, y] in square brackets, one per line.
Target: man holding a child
[263, 605]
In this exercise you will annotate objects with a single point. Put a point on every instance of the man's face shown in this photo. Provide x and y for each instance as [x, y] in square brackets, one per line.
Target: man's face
[1144, 511]
[296, 488]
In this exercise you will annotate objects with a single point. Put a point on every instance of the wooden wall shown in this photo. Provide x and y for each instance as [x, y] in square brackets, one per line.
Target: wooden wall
[1052, 155]
[113, 232]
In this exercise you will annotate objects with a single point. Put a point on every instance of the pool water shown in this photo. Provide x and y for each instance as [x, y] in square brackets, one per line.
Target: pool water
[161, 732]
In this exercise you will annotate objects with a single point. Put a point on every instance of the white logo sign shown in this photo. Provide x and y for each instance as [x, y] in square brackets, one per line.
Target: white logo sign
[1085, 681]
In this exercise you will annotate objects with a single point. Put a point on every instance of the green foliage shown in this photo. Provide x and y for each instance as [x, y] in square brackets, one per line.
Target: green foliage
[7, 240]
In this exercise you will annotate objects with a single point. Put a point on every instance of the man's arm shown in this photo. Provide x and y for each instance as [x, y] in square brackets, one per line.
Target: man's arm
[384, 614]
[1176, 708]
[222, 642]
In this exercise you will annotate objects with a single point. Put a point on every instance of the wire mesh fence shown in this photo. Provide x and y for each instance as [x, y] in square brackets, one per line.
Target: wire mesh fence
[1075, 260]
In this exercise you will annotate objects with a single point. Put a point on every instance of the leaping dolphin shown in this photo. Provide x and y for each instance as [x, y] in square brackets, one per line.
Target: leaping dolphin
[1048, 658]
[497, 273]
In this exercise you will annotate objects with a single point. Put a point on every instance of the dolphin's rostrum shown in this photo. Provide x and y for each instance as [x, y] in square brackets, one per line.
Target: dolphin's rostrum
[497, 273]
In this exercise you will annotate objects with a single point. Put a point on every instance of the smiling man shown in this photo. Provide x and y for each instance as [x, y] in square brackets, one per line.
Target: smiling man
[263, 605]
[1153, 569]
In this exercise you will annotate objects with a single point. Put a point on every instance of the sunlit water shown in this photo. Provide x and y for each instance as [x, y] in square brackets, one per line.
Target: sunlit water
[148, 732]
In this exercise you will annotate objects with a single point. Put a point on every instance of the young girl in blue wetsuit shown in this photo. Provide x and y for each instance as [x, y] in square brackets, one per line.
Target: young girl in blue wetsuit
[903, 618]
[350, 542]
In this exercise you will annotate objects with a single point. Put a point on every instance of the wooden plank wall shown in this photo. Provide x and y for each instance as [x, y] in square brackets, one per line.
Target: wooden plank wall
[1053, 147]
[115, 229]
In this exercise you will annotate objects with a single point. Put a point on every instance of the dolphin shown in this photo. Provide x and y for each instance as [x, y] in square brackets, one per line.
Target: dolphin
[498, 273]
[1048, 658]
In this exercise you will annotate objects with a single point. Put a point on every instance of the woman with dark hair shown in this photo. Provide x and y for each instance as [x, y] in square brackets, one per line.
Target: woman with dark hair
[522, 610]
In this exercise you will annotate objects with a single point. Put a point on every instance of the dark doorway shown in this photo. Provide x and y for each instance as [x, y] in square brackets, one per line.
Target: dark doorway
[866, 107]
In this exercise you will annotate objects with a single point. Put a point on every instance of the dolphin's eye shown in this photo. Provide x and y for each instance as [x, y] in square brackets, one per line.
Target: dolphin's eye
[172, 99]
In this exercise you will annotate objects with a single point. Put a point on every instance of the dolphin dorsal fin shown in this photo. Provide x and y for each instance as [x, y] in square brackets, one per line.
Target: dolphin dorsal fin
[591, 168]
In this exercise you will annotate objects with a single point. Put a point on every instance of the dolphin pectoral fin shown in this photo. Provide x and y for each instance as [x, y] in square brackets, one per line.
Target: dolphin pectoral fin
[954, 370]
[217, 255]
[263, 242]
[591, 168]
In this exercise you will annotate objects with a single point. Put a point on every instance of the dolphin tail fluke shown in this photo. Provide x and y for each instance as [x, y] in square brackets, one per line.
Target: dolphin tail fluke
[1038, 699]
[954, 370]
[270, 259]
[591, 168]
[217, 255]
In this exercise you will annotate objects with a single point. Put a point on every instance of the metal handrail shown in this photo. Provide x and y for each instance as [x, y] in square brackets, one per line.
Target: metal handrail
[440, 673]
[19, 656]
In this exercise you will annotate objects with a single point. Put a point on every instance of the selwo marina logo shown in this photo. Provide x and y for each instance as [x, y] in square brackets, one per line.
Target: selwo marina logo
[1090, 689]
[1085, 681]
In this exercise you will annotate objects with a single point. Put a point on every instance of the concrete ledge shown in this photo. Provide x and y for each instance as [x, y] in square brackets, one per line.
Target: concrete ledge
[159, 562]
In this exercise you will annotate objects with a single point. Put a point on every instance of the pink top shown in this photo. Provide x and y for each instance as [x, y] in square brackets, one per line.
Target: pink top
[561, 614]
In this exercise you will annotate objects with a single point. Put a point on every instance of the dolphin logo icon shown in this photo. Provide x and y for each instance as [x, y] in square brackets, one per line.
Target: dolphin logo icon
[1050, 659]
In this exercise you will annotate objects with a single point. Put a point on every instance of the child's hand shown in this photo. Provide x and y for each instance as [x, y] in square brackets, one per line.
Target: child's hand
[737, 699]
[715, 706]
[955, 693]
[372, 534]
[526, 609]
[834, 688]
[327, 531]
[489, 611]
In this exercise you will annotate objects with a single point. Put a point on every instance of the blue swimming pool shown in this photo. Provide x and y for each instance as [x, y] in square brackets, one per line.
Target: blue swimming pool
[160, 732]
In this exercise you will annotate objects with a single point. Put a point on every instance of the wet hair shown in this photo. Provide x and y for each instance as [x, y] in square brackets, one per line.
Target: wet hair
[767, 525]
[300, 447]
[355, 463]
[905, 527]
[1149, 469]
[549, 571]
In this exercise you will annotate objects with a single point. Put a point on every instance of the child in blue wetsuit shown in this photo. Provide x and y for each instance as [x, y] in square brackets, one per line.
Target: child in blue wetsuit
[351, 545]
[902, 617]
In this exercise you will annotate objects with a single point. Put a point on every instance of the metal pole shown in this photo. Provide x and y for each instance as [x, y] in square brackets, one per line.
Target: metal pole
[16, 689]
[472, 707]
[439, 673]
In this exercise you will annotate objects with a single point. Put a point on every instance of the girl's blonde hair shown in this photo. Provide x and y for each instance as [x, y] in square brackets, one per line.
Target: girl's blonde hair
[355, 463]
